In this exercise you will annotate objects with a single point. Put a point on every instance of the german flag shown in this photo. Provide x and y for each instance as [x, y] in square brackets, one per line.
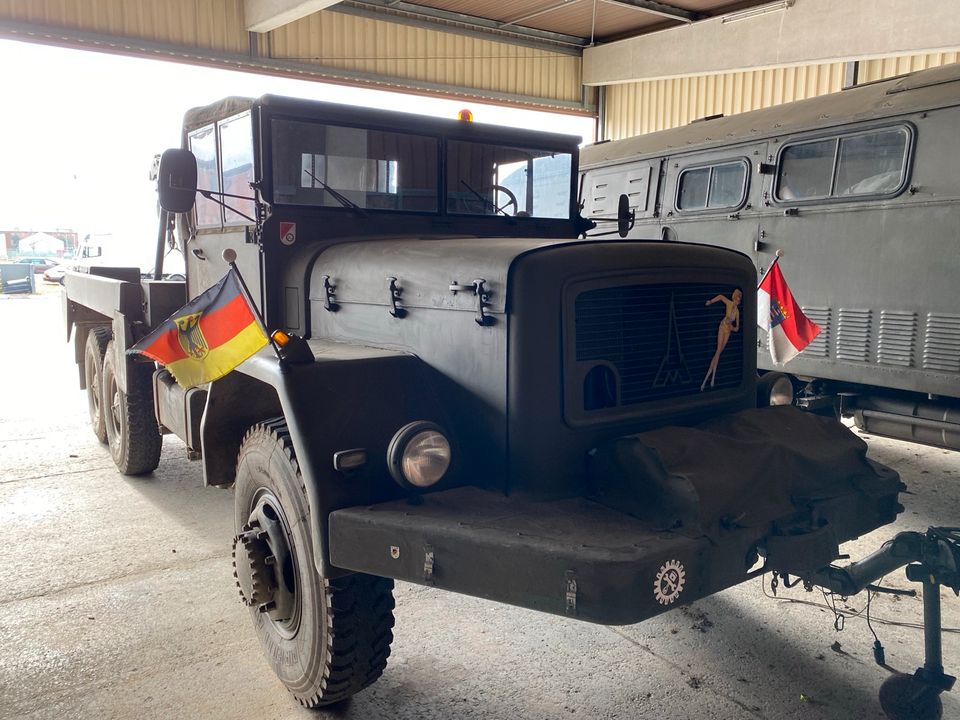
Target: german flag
[208, 337]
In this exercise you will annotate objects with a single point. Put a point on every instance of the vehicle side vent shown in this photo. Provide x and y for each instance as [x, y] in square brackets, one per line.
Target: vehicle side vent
[941, 344]
[820, 346]
[853, 335]
[898, 337]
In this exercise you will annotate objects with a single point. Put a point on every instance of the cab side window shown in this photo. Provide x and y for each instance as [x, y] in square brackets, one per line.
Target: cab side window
[236, 153]
[203, 144]
[857, 164]
[723, 185]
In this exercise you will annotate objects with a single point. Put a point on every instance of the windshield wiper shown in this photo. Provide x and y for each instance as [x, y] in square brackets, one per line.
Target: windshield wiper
[342, 199]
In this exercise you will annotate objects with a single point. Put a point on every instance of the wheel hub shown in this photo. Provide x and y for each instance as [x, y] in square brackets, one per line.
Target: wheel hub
[262, 564]
[251, 566]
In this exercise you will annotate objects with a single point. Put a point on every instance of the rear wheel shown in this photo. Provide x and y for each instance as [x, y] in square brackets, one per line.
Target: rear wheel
[93, 355]
[325, 639]
[132, 432]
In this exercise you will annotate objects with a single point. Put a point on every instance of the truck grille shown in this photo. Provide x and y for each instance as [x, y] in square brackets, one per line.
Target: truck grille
[638, 343]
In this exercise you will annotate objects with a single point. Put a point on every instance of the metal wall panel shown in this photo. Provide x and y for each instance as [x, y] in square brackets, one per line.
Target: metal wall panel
[209, 24]
[638, 108]
[419, 54]
[327, 46]
[871, 70]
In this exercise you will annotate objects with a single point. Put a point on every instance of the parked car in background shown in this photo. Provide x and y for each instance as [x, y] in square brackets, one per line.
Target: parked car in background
[40, 264]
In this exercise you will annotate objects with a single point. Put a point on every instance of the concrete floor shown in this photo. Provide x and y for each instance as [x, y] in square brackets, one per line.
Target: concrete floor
[117, 600]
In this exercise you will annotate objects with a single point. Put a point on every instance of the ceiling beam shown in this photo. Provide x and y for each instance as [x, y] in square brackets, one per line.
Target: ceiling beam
[265, 15]
[779, 34]
[655, 8]
[453, 22]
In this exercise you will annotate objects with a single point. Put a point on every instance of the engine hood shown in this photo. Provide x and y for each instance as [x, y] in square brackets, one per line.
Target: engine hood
[423, 270]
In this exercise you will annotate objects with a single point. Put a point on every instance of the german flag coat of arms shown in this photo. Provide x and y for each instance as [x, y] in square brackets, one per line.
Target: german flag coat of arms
[208, 337]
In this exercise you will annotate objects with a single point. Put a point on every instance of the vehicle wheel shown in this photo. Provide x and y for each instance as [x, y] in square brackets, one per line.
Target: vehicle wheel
[903, 697]
[93, 354]
[325, 639]
[132, 432]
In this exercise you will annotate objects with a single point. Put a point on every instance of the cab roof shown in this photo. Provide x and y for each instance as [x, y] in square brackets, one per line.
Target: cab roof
[376, 118]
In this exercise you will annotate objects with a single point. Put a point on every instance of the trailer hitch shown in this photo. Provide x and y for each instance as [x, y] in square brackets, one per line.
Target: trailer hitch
[933, 559]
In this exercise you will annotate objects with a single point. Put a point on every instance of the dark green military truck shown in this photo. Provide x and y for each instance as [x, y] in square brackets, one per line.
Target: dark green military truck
[477, 398]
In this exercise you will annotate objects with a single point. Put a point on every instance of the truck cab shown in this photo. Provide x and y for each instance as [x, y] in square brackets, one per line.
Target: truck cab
[481, 399]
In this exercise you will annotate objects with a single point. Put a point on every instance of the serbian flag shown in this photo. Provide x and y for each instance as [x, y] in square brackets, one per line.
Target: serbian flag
[780, 315]
[208, 337]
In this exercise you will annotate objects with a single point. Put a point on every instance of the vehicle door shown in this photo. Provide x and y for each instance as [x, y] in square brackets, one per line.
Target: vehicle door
[714, 198]
[600, 190]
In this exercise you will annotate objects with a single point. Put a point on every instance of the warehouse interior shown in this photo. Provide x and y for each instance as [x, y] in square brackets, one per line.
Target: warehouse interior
[120, 599]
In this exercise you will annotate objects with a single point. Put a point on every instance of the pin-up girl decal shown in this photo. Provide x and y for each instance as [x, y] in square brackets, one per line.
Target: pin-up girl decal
[729, 324]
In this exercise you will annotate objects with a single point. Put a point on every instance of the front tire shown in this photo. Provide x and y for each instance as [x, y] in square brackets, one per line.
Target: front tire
[93, 355]
[325, 639]
[132, 432]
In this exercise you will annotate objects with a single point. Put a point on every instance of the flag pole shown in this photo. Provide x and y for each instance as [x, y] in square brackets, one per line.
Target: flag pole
[764, 277]
[230, 257]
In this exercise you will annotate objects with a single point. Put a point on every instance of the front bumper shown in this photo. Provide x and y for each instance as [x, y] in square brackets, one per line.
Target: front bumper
[674, 515]
[570, 557]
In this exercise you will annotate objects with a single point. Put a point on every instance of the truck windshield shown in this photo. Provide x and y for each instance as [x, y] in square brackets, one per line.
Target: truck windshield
[336, 166]
[373, 169]
[484, 179]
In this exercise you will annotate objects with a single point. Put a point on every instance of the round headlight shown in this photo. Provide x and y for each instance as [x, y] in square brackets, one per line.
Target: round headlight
[419, 455]
[774, 389]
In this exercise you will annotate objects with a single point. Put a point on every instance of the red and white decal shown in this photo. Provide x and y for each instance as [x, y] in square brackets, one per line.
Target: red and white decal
[288, 233]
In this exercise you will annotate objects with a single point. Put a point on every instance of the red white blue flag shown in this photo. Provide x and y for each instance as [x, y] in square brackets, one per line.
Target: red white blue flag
[779, 314]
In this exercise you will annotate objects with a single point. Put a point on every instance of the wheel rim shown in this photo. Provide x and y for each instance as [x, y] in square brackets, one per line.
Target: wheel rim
[93, 394]
[267, 567]
[115, 407]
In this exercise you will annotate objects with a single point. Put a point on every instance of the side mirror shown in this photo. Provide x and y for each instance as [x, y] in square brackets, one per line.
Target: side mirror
[177, 180]
[625, 216]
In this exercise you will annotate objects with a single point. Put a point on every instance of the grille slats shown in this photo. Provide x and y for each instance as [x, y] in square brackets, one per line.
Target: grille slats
[630, 327]
[941, 346]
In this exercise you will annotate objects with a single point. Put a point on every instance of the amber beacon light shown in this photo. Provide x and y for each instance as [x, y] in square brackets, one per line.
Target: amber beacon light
[466, 115]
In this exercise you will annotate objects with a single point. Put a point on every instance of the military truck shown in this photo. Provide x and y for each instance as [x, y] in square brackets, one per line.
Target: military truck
[466, 393]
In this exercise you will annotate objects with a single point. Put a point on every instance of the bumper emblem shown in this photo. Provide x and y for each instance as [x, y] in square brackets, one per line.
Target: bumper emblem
[669, 582]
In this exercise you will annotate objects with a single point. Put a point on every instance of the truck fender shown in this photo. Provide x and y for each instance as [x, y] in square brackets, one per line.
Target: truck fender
[348, 399]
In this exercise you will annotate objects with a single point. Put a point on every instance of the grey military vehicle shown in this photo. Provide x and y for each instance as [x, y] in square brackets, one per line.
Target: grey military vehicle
[470, 395]
[859, 190]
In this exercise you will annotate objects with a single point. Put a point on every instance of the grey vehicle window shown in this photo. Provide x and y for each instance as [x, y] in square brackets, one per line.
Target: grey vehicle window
[806, 170]
[871, 163]
[726, 185]
[236, 153]
[693, 189]
[203, 144]
[486, 179]
[373, 169]
[717, 186]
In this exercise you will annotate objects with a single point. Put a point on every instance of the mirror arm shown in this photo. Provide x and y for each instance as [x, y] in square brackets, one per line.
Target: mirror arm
[208, 194]
[161, 245]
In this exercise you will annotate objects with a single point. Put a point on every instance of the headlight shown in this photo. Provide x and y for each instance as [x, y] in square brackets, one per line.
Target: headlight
[419, 455]
[774, 389]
